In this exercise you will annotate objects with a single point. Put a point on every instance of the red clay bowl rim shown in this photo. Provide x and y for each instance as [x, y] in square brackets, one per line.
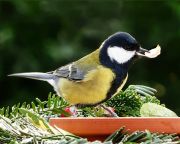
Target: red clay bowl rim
[80, 125]
[110, 118]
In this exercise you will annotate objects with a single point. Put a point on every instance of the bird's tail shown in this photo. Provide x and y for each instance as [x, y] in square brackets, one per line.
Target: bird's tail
[36, 75]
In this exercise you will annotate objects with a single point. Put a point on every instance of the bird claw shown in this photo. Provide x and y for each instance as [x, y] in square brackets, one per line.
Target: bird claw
[112, 113]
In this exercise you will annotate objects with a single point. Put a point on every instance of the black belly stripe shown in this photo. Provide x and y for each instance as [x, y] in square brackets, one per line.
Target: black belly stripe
[116, 83]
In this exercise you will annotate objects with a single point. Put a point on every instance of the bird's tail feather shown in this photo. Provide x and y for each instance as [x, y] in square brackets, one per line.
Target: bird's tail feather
[35, 75]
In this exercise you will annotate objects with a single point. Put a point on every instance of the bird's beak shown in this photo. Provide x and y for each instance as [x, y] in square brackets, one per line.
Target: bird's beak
[141, 52]
[149, 53]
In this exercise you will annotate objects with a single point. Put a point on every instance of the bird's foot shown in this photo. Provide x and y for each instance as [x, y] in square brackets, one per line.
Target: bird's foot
[110, 111]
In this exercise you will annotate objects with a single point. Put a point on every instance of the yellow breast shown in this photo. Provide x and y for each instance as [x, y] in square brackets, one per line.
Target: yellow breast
[91, 90]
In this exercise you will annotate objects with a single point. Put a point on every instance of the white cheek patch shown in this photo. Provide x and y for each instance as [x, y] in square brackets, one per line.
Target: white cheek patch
[119, 54]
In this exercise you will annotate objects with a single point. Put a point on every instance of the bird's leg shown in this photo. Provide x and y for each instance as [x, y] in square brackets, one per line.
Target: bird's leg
[113, 114]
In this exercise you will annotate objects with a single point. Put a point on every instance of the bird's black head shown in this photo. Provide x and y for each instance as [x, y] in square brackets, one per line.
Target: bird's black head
[118, 51]
[123, 40]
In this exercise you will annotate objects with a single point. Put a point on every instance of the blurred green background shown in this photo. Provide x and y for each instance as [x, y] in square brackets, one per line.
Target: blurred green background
[41, 35]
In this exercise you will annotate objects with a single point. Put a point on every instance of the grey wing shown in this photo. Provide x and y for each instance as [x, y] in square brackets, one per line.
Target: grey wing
[70, 72]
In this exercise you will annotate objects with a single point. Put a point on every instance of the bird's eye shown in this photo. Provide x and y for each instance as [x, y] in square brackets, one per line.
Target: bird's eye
[130, 47]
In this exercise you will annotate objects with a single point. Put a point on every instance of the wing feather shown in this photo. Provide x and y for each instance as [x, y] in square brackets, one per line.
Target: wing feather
[78, 70]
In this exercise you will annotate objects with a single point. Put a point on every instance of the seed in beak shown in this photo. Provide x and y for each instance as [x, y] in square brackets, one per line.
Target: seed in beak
[149, 53]
[153, 52]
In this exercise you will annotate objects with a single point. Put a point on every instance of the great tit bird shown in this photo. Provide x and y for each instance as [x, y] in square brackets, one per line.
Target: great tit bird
[98, 76]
